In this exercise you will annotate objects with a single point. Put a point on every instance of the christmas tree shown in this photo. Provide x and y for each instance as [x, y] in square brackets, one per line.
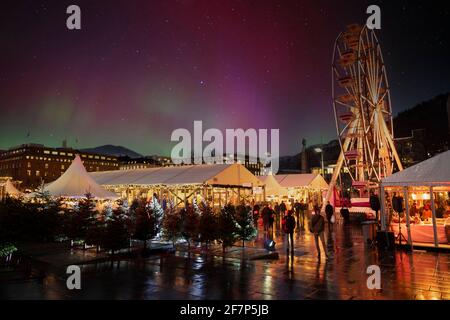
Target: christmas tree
[227, 227]
[144, 228]
[81, 219]
[246, 230]
[116, 235]
[208, 224]
[189, 223]
[158, 213]
[172, 224]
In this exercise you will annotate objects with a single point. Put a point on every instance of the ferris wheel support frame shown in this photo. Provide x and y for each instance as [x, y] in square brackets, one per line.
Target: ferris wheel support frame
[383, 135]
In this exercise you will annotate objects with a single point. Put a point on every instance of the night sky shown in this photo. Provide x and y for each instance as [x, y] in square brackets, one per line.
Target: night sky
[140, 69]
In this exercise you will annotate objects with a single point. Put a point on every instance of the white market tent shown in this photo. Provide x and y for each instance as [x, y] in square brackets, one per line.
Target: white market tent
[430, 176]
[8, 188]
[431, 172]
[273, 187]
[235, 175]
[76, 182]
[218, 183]
[302, 180]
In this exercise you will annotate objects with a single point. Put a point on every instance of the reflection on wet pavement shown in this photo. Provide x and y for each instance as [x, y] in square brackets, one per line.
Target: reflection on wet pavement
[183, 275]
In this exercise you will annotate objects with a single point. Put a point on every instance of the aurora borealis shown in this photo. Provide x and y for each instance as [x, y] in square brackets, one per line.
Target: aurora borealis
[140, 69]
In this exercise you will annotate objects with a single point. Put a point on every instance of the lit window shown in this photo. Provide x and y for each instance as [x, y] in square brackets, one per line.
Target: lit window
[62, 167]
[38, 173]
[70, 154]
[46, 151]
[29, 173]
[90, 156]
[55, 152]
[62, 153]
[29, 165]
[46, 166]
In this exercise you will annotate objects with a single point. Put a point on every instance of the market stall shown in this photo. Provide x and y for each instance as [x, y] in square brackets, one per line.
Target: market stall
[274, 191]
[308, 187]
[416, 203]
[217, 184]
[8, 189]
[76, 183]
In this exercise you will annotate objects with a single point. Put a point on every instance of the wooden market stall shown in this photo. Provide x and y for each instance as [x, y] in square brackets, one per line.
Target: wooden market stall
[308, 187]
[217, 184]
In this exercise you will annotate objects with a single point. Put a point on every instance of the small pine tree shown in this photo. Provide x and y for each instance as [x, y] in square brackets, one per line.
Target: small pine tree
[189, 224]
[158, 214]
[82, 217]
[227, 227]
[96, 230]
[246, 230]
[208, 224]
[116, 235]
[144, 228]
[171, 224]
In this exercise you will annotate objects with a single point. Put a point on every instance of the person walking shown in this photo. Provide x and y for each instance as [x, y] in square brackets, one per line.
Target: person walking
[289, 230]
[316, 227]
[277, 215]
[256, 214]
[271, 220]
[283, 213]
[283, 208]
[329, 211]
[303, 208]
[266, 217]
[297, 214]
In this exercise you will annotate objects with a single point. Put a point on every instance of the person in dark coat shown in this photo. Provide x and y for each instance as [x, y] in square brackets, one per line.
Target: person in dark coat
[266, 217]
[316, 227]
[277, 215]
[256, 214]
[283, 208]
[329, 211]
[271, 220]
[297, 214]
[289, 230]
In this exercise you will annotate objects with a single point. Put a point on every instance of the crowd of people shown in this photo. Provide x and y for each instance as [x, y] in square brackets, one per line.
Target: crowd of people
[422, 213]
[290, 217]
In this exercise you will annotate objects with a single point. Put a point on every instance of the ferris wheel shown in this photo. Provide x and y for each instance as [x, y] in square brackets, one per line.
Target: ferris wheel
[362, 109]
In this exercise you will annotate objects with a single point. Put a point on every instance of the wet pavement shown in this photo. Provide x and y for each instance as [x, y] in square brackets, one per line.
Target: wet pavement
[202, 274]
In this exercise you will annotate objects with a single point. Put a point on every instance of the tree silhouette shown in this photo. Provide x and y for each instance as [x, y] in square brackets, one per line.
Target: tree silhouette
[208, 224]
[246, 230]
[227, 227]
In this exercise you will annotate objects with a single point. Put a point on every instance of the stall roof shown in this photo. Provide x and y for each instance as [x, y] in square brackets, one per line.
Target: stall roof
[431, 172]
[302, 180]
[273, 188]
[217, 174]
[76, 182]
[10, 189]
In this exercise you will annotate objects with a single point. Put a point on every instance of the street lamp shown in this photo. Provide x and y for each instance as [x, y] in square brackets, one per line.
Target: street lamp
[320, 150]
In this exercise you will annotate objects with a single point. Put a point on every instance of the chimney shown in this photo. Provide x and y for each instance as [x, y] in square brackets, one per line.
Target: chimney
[303, 159]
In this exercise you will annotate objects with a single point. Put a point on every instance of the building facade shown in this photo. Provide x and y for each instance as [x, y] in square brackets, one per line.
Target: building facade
[34, 164]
